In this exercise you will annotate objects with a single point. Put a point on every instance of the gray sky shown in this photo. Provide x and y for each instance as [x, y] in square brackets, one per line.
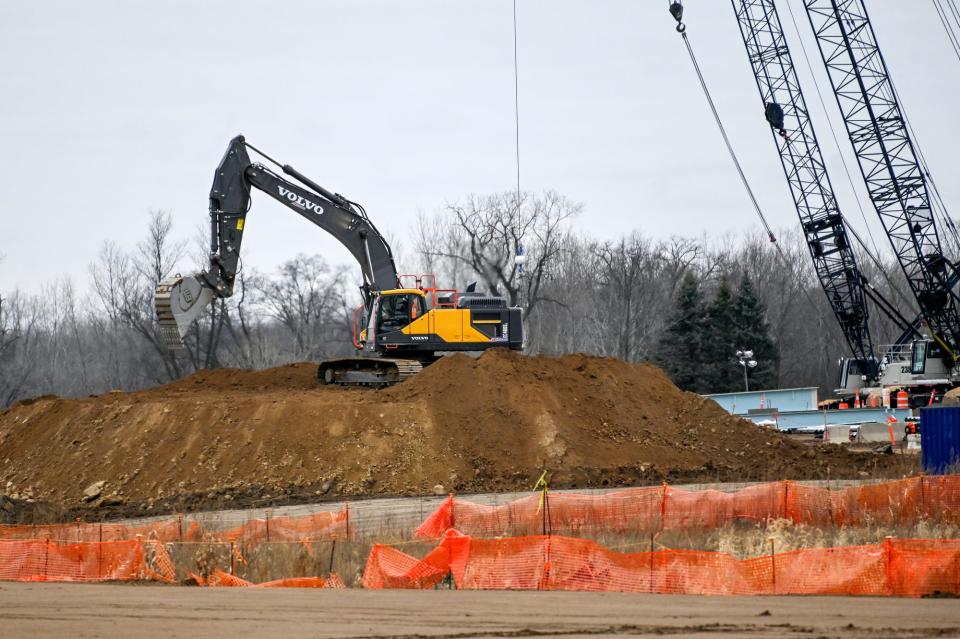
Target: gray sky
[109, 109]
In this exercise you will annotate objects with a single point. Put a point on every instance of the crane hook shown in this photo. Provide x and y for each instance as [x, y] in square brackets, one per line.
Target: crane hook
[676, 10]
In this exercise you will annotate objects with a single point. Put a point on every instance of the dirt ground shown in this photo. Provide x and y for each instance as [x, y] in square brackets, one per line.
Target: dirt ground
[235, 437]
[140, 612]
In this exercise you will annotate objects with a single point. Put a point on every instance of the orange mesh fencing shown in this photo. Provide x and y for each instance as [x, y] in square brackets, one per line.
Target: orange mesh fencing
[897, 567]
[33, 560]
[333, 581]
[222, 579]
[78, 532]
[161, 567]
[319, 526]
[661, 508]
[388, 567]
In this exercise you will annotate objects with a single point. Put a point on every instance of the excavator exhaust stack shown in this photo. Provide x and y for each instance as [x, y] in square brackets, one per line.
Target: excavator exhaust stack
[179, 301]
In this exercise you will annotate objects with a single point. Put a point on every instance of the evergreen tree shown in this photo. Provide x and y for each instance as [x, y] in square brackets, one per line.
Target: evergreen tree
[678, 351]
[753, 332]
[721, 372]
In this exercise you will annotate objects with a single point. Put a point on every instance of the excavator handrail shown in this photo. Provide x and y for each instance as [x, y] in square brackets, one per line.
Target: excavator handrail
[436, 298]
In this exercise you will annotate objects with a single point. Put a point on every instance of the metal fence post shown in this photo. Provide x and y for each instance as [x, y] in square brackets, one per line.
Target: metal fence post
[100, 554]
[140, 546]
[46, 556]
[888, 564]
[663, 505]
[773, 564]
[650, 584]
[333, 547]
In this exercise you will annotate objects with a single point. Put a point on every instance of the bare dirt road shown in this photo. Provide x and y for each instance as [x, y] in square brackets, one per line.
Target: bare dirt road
[81, 611]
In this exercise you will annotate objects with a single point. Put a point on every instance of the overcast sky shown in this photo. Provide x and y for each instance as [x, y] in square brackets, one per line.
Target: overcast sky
[110, 109]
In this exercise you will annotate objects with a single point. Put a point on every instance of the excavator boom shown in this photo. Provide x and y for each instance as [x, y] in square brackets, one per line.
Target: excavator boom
[180, 300]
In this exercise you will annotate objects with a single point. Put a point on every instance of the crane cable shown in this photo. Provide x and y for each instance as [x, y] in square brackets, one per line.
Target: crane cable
[953, 9]
[516, 97]
[833, 134]
[947, 26]
[676, 10]
[873, 255]
[935, 199]
[519, 257]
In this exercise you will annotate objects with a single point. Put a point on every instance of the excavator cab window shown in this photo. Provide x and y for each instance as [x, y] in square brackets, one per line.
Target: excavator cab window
[398, 310]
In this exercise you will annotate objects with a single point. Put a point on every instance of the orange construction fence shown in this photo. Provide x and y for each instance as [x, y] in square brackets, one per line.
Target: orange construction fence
[221, 579]
[35, 560]
[661, 508]
[903, 567]
[648, 509]
[319, 526]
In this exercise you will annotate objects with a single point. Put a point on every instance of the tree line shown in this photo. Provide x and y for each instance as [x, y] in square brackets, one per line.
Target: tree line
[687, 304]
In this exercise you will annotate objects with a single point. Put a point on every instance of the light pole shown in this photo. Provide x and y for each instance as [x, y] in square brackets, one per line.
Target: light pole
[745, 357]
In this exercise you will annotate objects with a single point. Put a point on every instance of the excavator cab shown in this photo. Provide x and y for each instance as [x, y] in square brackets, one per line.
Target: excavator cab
[391, 312]
[396, 309]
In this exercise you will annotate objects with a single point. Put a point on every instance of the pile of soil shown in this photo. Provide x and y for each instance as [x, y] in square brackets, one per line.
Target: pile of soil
[464, 424]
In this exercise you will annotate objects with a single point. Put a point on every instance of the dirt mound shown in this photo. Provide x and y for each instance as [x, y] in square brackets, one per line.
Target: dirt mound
[463, 424]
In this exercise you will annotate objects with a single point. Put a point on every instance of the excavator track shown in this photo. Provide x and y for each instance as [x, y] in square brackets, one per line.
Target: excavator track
[367, 371]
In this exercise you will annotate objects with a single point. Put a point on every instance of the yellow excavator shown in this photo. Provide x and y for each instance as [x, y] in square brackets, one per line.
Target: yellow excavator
[405, 323]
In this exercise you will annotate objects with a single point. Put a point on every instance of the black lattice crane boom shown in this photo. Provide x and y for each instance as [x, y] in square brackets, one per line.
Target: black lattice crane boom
[896, 184]
[823, 224]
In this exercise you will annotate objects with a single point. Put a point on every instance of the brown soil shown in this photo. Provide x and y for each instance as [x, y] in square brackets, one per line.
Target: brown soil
[135, 612]
[464, 424]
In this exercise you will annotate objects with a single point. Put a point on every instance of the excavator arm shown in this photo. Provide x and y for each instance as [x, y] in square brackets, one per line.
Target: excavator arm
[180, 300]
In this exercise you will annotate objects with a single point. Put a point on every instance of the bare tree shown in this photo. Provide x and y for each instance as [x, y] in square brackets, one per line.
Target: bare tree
[124, 284]
[604, 297]
[20, 318]
[307, 298]
[158, 253]
[484, 235]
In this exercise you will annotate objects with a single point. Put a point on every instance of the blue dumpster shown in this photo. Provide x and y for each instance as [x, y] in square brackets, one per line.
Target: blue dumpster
[940, 439]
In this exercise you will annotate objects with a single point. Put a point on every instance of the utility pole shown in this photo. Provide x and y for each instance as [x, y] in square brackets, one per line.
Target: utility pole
[745, 357]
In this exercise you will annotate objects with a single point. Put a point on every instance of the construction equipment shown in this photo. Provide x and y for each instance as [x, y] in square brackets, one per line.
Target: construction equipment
[895, 179]
[827, 234]
[405, 316]
[921, 358]
[824, 227]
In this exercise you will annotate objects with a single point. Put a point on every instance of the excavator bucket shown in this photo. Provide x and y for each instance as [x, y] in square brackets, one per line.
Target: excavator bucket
[178, 302]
